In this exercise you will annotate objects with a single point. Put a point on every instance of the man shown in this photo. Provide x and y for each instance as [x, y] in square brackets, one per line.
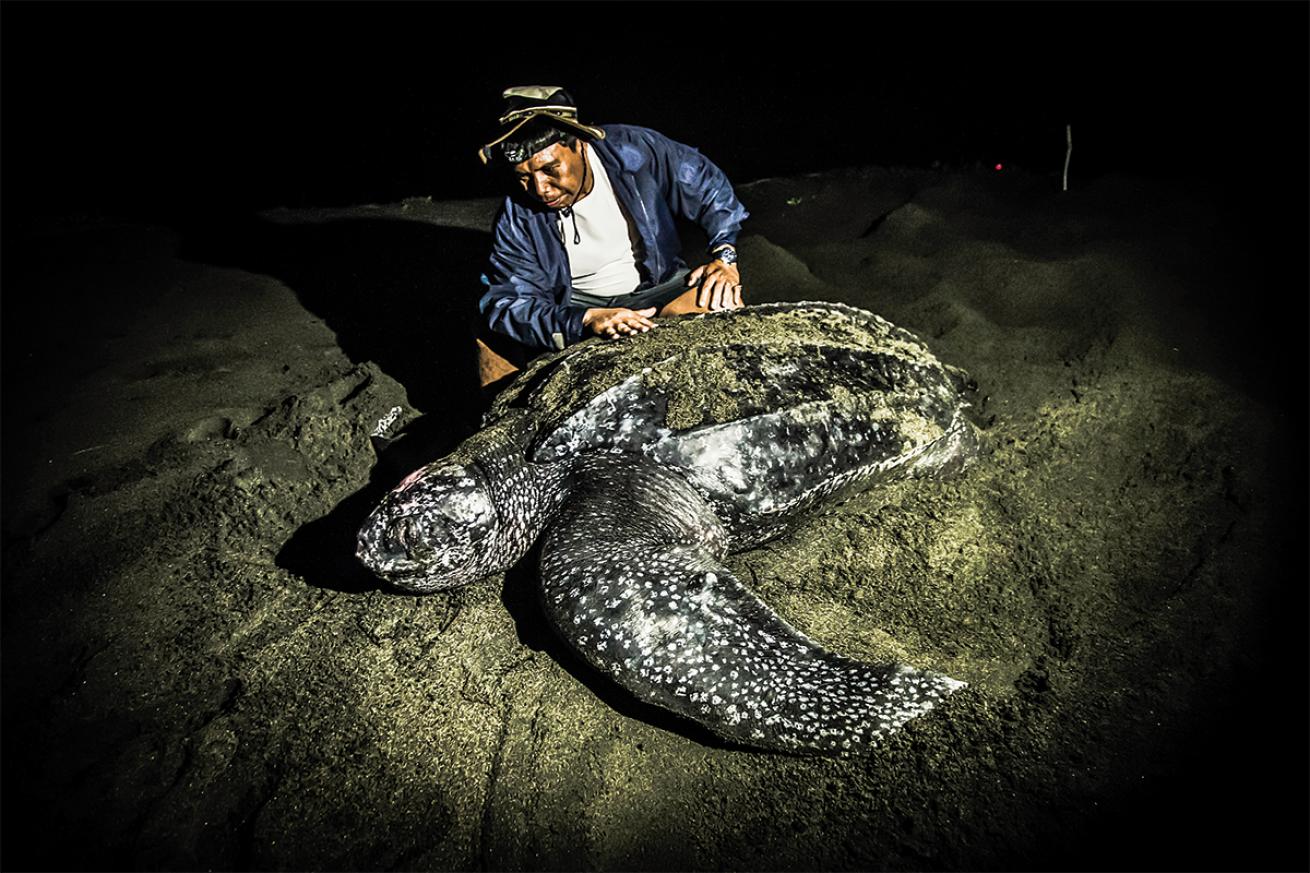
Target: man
[587, 243]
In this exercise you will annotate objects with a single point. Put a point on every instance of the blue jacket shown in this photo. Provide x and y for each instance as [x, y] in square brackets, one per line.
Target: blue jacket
[528, 280]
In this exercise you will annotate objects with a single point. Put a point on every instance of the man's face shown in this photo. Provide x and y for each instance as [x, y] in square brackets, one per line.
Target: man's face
[553, 175]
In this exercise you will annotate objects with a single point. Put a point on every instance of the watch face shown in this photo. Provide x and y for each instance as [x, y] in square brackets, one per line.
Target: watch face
[728, 256]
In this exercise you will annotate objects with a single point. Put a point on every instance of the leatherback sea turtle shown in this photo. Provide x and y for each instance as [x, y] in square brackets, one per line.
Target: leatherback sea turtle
[646, 461]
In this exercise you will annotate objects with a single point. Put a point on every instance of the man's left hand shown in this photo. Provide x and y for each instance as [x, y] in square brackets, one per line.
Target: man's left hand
[720, 285]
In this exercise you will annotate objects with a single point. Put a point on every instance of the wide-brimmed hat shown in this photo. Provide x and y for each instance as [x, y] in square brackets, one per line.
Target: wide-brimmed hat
[527, 103]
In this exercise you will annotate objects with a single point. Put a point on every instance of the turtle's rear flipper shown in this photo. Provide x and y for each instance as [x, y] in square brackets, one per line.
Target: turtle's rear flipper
[632, 579]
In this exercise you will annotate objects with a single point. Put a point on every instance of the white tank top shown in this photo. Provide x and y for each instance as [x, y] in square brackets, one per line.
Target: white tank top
[603, 261]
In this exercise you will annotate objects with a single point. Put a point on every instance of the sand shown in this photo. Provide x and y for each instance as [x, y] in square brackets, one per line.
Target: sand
[197, 675]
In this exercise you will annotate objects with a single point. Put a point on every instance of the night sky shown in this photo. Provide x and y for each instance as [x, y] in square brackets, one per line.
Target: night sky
[152, 109]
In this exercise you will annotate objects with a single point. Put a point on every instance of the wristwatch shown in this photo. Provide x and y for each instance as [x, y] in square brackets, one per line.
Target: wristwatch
[727, 254]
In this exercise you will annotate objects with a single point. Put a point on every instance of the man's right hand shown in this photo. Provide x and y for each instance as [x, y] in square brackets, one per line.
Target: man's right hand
[614, 323]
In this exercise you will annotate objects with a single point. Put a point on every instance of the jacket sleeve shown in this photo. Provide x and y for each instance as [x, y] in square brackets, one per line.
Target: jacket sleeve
[701, 192]
[521, 300]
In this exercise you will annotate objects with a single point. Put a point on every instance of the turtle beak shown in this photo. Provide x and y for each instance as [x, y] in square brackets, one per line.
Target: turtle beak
[382, 544]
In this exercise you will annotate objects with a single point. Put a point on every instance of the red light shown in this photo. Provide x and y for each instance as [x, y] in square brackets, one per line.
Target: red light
[998, 168]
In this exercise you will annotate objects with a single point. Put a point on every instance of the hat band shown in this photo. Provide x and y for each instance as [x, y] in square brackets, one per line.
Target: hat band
[557, 111]
[569, 118]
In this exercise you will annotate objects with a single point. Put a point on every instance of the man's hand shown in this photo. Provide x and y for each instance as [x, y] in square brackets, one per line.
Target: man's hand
[720, 285]
[614, 323]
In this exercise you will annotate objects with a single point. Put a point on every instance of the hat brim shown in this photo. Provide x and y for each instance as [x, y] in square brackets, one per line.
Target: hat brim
[590, 130]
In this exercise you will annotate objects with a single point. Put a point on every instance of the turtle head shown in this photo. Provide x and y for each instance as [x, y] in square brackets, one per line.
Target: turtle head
[437, 529]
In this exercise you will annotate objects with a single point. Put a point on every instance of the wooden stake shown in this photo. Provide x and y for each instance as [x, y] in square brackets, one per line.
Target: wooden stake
[1068, 150]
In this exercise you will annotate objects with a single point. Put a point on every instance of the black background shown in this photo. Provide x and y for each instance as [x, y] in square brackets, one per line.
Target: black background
[149, 108]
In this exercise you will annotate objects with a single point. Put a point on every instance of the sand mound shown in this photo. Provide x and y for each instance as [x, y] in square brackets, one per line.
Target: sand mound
[198, 675]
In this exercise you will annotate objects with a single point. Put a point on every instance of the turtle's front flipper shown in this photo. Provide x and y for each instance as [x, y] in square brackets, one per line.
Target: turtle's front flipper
[632, 578]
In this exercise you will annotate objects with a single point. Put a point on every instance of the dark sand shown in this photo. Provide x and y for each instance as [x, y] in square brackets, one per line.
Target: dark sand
[197, 675]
